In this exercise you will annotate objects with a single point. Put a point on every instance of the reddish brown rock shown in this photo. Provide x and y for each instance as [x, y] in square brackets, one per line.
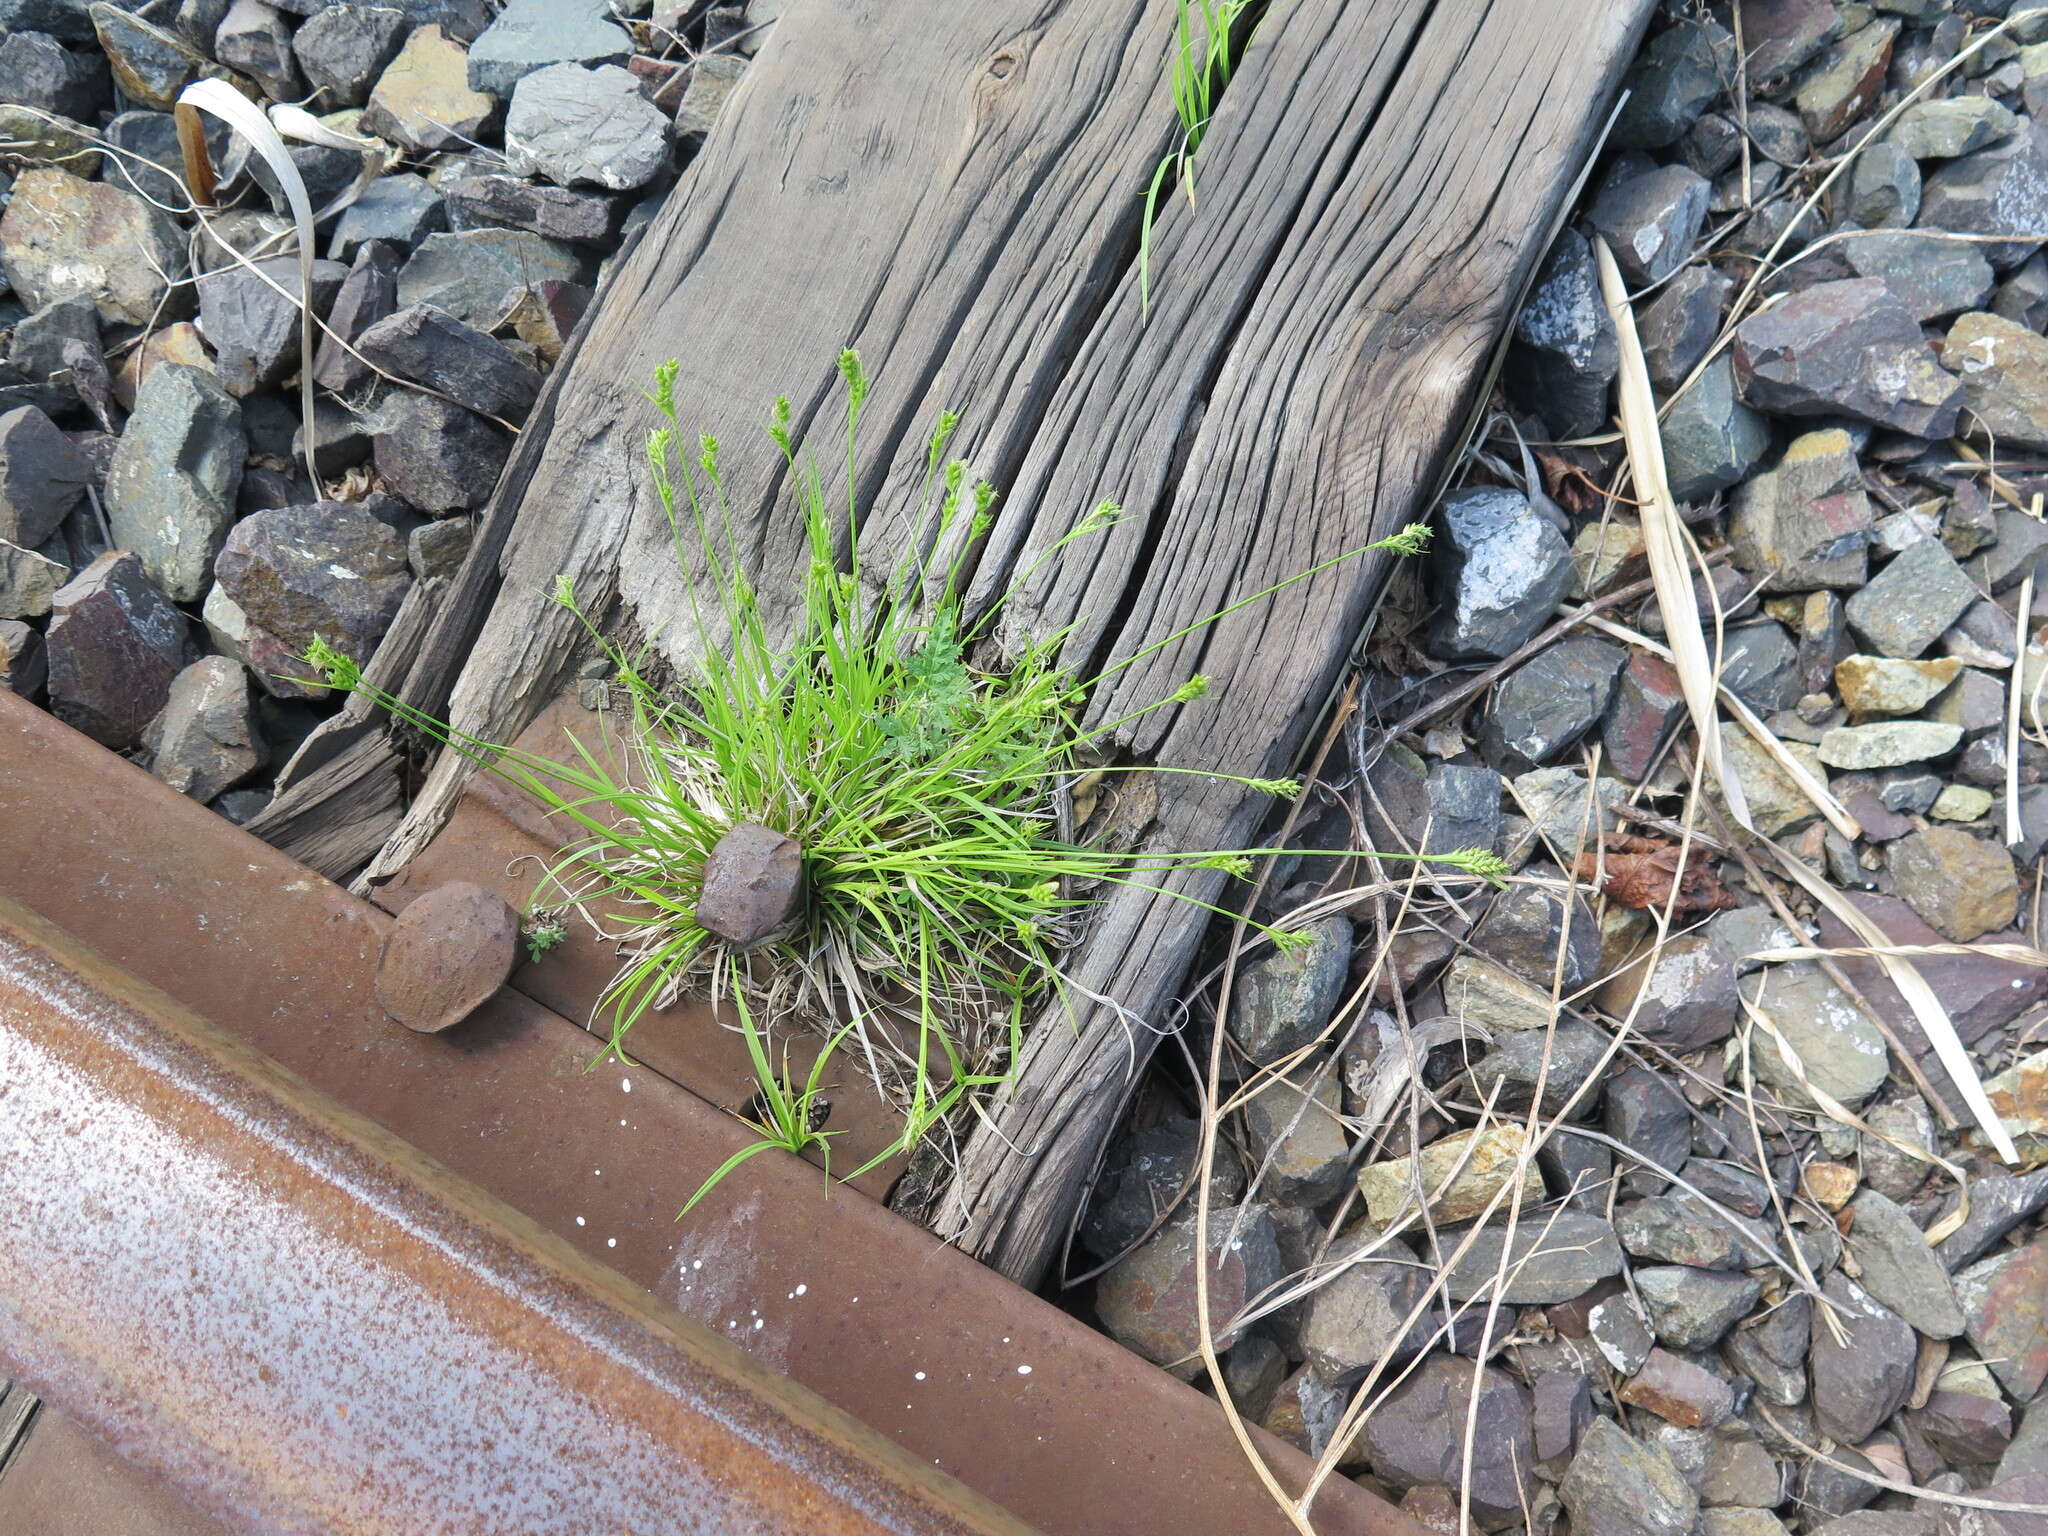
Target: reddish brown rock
[753, 880]
[446, 955]
[1146, 1301]
[1966, 1427]
[1679, 1392]
[2005, 1307]
[1645, 701]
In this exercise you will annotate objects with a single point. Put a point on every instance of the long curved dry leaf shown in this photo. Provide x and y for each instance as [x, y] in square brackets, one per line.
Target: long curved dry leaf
[1919, 996]
[1664, 536]
[219, 99]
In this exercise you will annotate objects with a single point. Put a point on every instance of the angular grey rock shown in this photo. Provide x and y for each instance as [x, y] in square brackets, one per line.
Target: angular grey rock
[1805, 523]
[341, 439]
[585, 127]
[1672, 81]
[1620, 1330]
[1527, 930]
[366, 295]
[1147, 1300]
[1545, 706]
[2004, 371]
[475, 275]
[1711, 439]
[1517, 1058]
[1860, 1383]
[38, 71]
[29, 582]
[151, 65]
[1846, 348]
[1847, 80]
[42, 476]
[1998, 1203]
[401, 208]
[206, 739]
[1906, 607]
[327, 568]
[1899, 1269]
[252, 326]
[1293, 1130]
[171, 490]
[344, 48]
[1884, 188]
[1932, 277]
[1142, 1174]
[114, 645]
[439, 548]
[437, 456]
[1772, 1351]
[1503, 569]
[1942, 128]
[2002, 190]
[1280, 1002]
[1964, 1427]
[530, 35]
[68, 20]
[1417, 1438]
[1651, 220]
[428, 346]
[712, 79]
[1888, 743]
[2023, 296]
[1554, 1259]
[1760, 666]
[1842, 1051]
[1677, 1229]
[1359, 1315]
[486, 199]
[254, 39]
[1620, 1486]
[1645, 1114]
[1688, 1000]
[23, 666]
[1564, 354]
[1680, 323]
[62, 238]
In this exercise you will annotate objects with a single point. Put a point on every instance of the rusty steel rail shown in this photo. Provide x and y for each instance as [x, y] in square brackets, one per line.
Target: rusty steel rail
[306, 1326]
[813, 1281]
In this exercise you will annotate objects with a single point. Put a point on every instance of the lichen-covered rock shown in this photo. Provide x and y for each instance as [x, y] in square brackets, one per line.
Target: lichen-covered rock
[585, 127]
[326, 569]
[171, 488]
[61, 237]
[2004, 370]
[1801, 524]
[1960, 885]
[206, 740]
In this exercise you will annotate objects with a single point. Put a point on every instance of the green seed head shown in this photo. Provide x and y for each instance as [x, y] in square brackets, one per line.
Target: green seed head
[1193, 688]
[1285, 789]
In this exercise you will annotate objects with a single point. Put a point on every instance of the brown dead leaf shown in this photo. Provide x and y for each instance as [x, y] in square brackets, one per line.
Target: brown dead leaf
[1640, 872]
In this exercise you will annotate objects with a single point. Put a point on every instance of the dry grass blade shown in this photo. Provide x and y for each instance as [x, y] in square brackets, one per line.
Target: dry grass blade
[219, 99]
[1664, 539]
[2015, 686]
[1919, 996]
[1810, 786]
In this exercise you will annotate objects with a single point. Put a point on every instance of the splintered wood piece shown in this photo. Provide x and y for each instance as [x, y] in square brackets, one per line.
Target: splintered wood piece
[445, 955]
[753, 879]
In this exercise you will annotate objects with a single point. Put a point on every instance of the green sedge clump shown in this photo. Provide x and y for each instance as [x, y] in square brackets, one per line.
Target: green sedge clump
[921, 776]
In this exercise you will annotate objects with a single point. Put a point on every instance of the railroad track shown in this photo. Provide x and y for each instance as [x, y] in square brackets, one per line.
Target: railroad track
[169, 984]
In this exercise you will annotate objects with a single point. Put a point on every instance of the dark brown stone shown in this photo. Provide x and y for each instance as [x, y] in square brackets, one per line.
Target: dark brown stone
[445, 956]
[753, 880]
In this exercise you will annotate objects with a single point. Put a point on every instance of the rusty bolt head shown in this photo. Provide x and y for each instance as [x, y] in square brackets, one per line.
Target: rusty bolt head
[753, 880]
[445, 956]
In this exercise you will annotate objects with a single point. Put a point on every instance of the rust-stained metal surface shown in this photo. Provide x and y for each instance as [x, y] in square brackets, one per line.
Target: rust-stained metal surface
[821, 1284]
[303, 1325]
